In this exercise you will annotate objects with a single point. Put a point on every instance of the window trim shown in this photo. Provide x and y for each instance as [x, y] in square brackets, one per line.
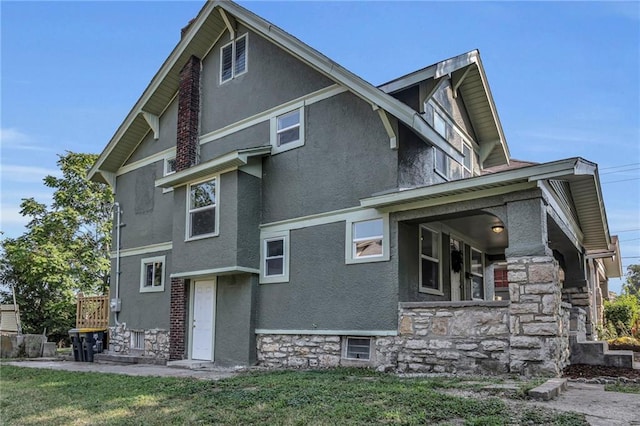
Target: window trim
[349, 239]
[265, 237]
[165, 171]
[345, 348]
[232, 43]
[134, 337]
[187, 231]
[143, 276]
[439, 291]
[274, 131]
[471, 155]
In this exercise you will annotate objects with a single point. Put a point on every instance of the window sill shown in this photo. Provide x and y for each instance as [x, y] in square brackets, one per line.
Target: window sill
[431, 291]
[372, 259]
[274, 280]
[152, 289]
[201, 237]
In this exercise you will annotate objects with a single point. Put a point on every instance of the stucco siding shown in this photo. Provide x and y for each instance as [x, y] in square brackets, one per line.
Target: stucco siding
[142, 310]
[273, 77]
[346, 157]
[324, 293]
[167, 139]
[146, 210]
[250, 137]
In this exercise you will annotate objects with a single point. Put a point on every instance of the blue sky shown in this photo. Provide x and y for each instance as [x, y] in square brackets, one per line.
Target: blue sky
[565, 77]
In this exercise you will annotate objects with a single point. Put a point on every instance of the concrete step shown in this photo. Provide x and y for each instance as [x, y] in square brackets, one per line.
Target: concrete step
[620, 359]
[107, 357]
[191, 364]
[549, 389]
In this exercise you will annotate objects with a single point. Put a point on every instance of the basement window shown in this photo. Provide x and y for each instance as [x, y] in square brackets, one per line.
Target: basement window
[137, 340]
[358, 348]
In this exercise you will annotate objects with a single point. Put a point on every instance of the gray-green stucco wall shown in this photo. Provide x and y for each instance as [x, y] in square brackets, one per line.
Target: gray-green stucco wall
[235, 320]
[324, 293]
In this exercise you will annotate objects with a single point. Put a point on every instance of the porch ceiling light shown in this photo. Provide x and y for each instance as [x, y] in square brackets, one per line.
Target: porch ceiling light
[497, 228]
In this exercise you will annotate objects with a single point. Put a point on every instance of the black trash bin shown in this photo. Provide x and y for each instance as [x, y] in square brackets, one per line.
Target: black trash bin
[76, 345]
[88, 343]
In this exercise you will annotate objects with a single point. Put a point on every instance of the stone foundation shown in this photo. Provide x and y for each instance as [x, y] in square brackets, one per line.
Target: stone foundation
[156, 342]
[580, 297]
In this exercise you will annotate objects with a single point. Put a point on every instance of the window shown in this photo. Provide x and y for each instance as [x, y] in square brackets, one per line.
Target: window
[477, 279]
[430, 281]
[500, 278]
[467, 162]
[367, 239]
[233, 59]
[169, 166]
[152, 274]
[203, 212]
[357, 348]
[446, 166]
[275, 257]
[137, 340]
[439, 124]
[287, 130]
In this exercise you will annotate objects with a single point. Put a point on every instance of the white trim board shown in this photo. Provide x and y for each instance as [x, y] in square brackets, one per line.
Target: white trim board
[228, 270]
[136, 251]
[330, 332]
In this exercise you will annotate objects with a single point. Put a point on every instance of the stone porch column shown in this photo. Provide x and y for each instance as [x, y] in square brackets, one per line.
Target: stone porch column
[538, 341]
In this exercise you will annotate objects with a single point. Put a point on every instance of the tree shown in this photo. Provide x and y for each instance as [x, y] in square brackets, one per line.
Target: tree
[65, 249]
[632, 285]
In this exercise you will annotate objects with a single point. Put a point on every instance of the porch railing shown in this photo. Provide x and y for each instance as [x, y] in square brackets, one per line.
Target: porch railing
[92, 311]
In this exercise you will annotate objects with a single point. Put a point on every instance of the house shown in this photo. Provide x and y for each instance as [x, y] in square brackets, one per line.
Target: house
[275, 208]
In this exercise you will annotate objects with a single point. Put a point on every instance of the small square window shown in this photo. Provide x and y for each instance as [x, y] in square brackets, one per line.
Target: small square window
[152, 274]
[287, 130]
[358, 348]
[274, 254]
[169, 166]
[367, 238]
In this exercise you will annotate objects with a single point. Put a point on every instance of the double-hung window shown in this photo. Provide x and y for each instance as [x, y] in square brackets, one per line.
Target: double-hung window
[233, 59]
[477, 275]
[430, 281]
[202, 216]
[287, 130]
[152, 274]
[275, 257]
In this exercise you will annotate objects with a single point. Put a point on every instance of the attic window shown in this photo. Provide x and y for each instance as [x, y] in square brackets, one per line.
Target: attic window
[233, 59]
[439, 124]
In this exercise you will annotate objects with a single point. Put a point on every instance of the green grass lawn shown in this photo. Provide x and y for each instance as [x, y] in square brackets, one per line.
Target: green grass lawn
[331, 397]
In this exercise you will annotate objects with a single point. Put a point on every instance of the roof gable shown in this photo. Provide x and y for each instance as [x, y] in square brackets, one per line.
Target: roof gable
[212, 21]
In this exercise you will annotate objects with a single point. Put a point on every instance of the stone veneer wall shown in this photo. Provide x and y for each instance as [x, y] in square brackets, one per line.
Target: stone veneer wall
[156, 342]
[539, 343]
[469, 337]
[580, 297]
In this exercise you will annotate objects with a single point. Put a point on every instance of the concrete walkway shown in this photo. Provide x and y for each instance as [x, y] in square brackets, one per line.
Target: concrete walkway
[601, 408]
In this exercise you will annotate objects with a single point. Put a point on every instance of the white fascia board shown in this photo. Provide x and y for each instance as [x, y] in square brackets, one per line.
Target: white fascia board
[559, 168]
[229, 270]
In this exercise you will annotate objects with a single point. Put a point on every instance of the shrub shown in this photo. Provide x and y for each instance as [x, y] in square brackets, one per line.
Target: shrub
[621, 315]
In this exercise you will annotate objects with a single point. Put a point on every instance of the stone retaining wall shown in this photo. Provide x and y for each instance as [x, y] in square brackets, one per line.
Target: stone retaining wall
[156, 342]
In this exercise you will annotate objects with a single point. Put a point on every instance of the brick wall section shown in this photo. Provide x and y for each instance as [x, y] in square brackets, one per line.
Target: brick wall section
[177, 319]
[188, 115]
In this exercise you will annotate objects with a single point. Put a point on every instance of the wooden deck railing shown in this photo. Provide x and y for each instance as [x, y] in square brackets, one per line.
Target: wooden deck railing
[92, 311]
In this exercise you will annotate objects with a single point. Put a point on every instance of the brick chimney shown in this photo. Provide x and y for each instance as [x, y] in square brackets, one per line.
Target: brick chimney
[188, 115]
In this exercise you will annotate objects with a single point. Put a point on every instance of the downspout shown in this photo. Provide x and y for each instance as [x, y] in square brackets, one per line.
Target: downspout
[117, 293]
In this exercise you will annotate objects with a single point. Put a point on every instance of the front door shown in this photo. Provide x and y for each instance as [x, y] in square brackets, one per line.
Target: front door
[457, 268]
[203, 320]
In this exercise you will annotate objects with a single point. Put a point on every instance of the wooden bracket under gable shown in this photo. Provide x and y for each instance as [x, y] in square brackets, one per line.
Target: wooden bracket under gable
[428, 89]
[154, 123]
[393, 139]
[457, 81]
[230, 22]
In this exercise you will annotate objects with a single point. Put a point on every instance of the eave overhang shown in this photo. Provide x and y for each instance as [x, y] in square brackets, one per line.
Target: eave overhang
[201, 35]
[581, 175]
[469, 78]
[228, 161]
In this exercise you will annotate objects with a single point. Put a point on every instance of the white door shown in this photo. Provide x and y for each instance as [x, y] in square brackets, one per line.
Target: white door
[202, 335]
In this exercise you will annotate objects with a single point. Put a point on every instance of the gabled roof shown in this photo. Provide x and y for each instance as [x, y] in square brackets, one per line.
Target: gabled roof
[469, 79]
[581, 175]
[197, 40]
